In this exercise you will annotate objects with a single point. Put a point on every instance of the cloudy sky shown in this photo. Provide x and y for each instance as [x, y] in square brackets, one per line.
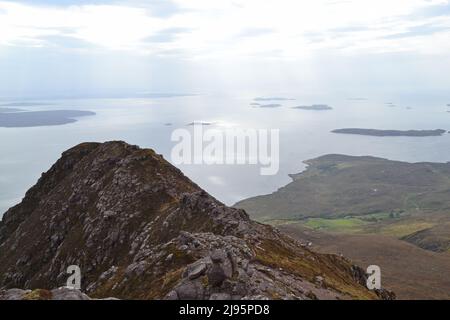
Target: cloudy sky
[65, 47]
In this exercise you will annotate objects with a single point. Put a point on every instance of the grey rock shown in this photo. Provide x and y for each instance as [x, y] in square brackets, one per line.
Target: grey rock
[56, 294]
[172, 295]
[13, 294]
[220, 296]
[218, 256]
[169, 257]
[197, 271]
[68, 294]
[190, 291]
[216, 276]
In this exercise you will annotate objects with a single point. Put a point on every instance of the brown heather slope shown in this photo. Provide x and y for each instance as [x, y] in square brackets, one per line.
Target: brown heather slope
[139, 229]
[409, 271]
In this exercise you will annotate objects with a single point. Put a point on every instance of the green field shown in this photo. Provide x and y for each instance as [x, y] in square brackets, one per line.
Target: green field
[335, 225]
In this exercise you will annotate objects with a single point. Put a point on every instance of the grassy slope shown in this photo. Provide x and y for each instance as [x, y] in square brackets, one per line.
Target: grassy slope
[365, 195]
[409, 271]
[337, 186]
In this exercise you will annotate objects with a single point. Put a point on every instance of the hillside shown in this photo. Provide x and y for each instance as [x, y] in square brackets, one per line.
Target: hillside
[339, 186]
[374, 211]
[139, 229]
[409, 271]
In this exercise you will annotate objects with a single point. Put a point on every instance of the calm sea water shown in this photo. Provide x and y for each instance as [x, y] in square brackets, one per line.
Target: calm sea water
[27, 152]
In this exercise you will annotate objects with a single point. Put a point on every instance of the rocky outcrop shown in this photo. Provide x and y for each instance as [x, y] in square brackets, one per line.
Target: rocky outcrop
[38, 294]
[139, 229]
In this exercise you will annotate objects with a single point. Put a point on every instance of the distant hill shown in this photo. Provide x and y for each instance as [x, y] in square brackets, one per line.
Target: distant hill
[338, 186]
[391, 133]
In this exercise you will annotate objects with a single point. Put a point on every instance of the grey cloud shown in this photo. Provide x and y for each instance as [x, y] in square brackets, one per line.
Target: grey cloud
[422, 30]
[254, 32]
[156, 8]
[66, 41]
[437, 10]
[349, 29]
[315, 37]
[167, 35]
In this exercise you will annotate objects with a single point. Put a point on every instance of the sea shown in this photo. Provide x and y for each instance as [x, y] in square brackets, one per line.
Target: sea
[150, 121]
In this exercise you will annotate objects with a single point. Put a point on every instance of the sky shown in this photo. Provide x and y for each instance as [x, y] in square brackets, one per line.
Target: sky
[76, 48]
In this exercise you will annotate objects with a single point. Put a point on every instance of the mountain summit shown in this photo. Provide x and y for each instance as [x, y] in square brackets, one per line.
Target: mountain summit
[139, 229]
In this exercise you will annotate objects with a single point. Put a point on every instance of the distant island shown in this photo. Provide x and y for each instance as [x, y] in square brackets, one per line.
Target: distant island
[272, 105]
[22, 119]
[317, 107]
[391, 133]
[200, 123]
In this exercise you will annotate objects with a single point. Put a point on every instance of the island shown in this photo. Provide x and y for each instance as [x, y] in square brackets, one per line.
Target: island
[22, 119]
[391, 133]
[316, 107]
[272, 105]
[200, 123]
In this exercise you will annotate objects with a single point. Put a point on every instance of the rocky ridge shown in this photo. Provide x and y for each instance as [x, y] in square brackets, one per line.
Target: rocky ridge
[139, 229]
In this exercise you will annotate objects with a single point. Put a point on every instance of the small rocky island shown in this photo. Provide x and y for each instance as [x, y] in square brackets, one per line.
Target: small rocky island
[317, 107]
[391, 133]
[270, 105]
[200, 123]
